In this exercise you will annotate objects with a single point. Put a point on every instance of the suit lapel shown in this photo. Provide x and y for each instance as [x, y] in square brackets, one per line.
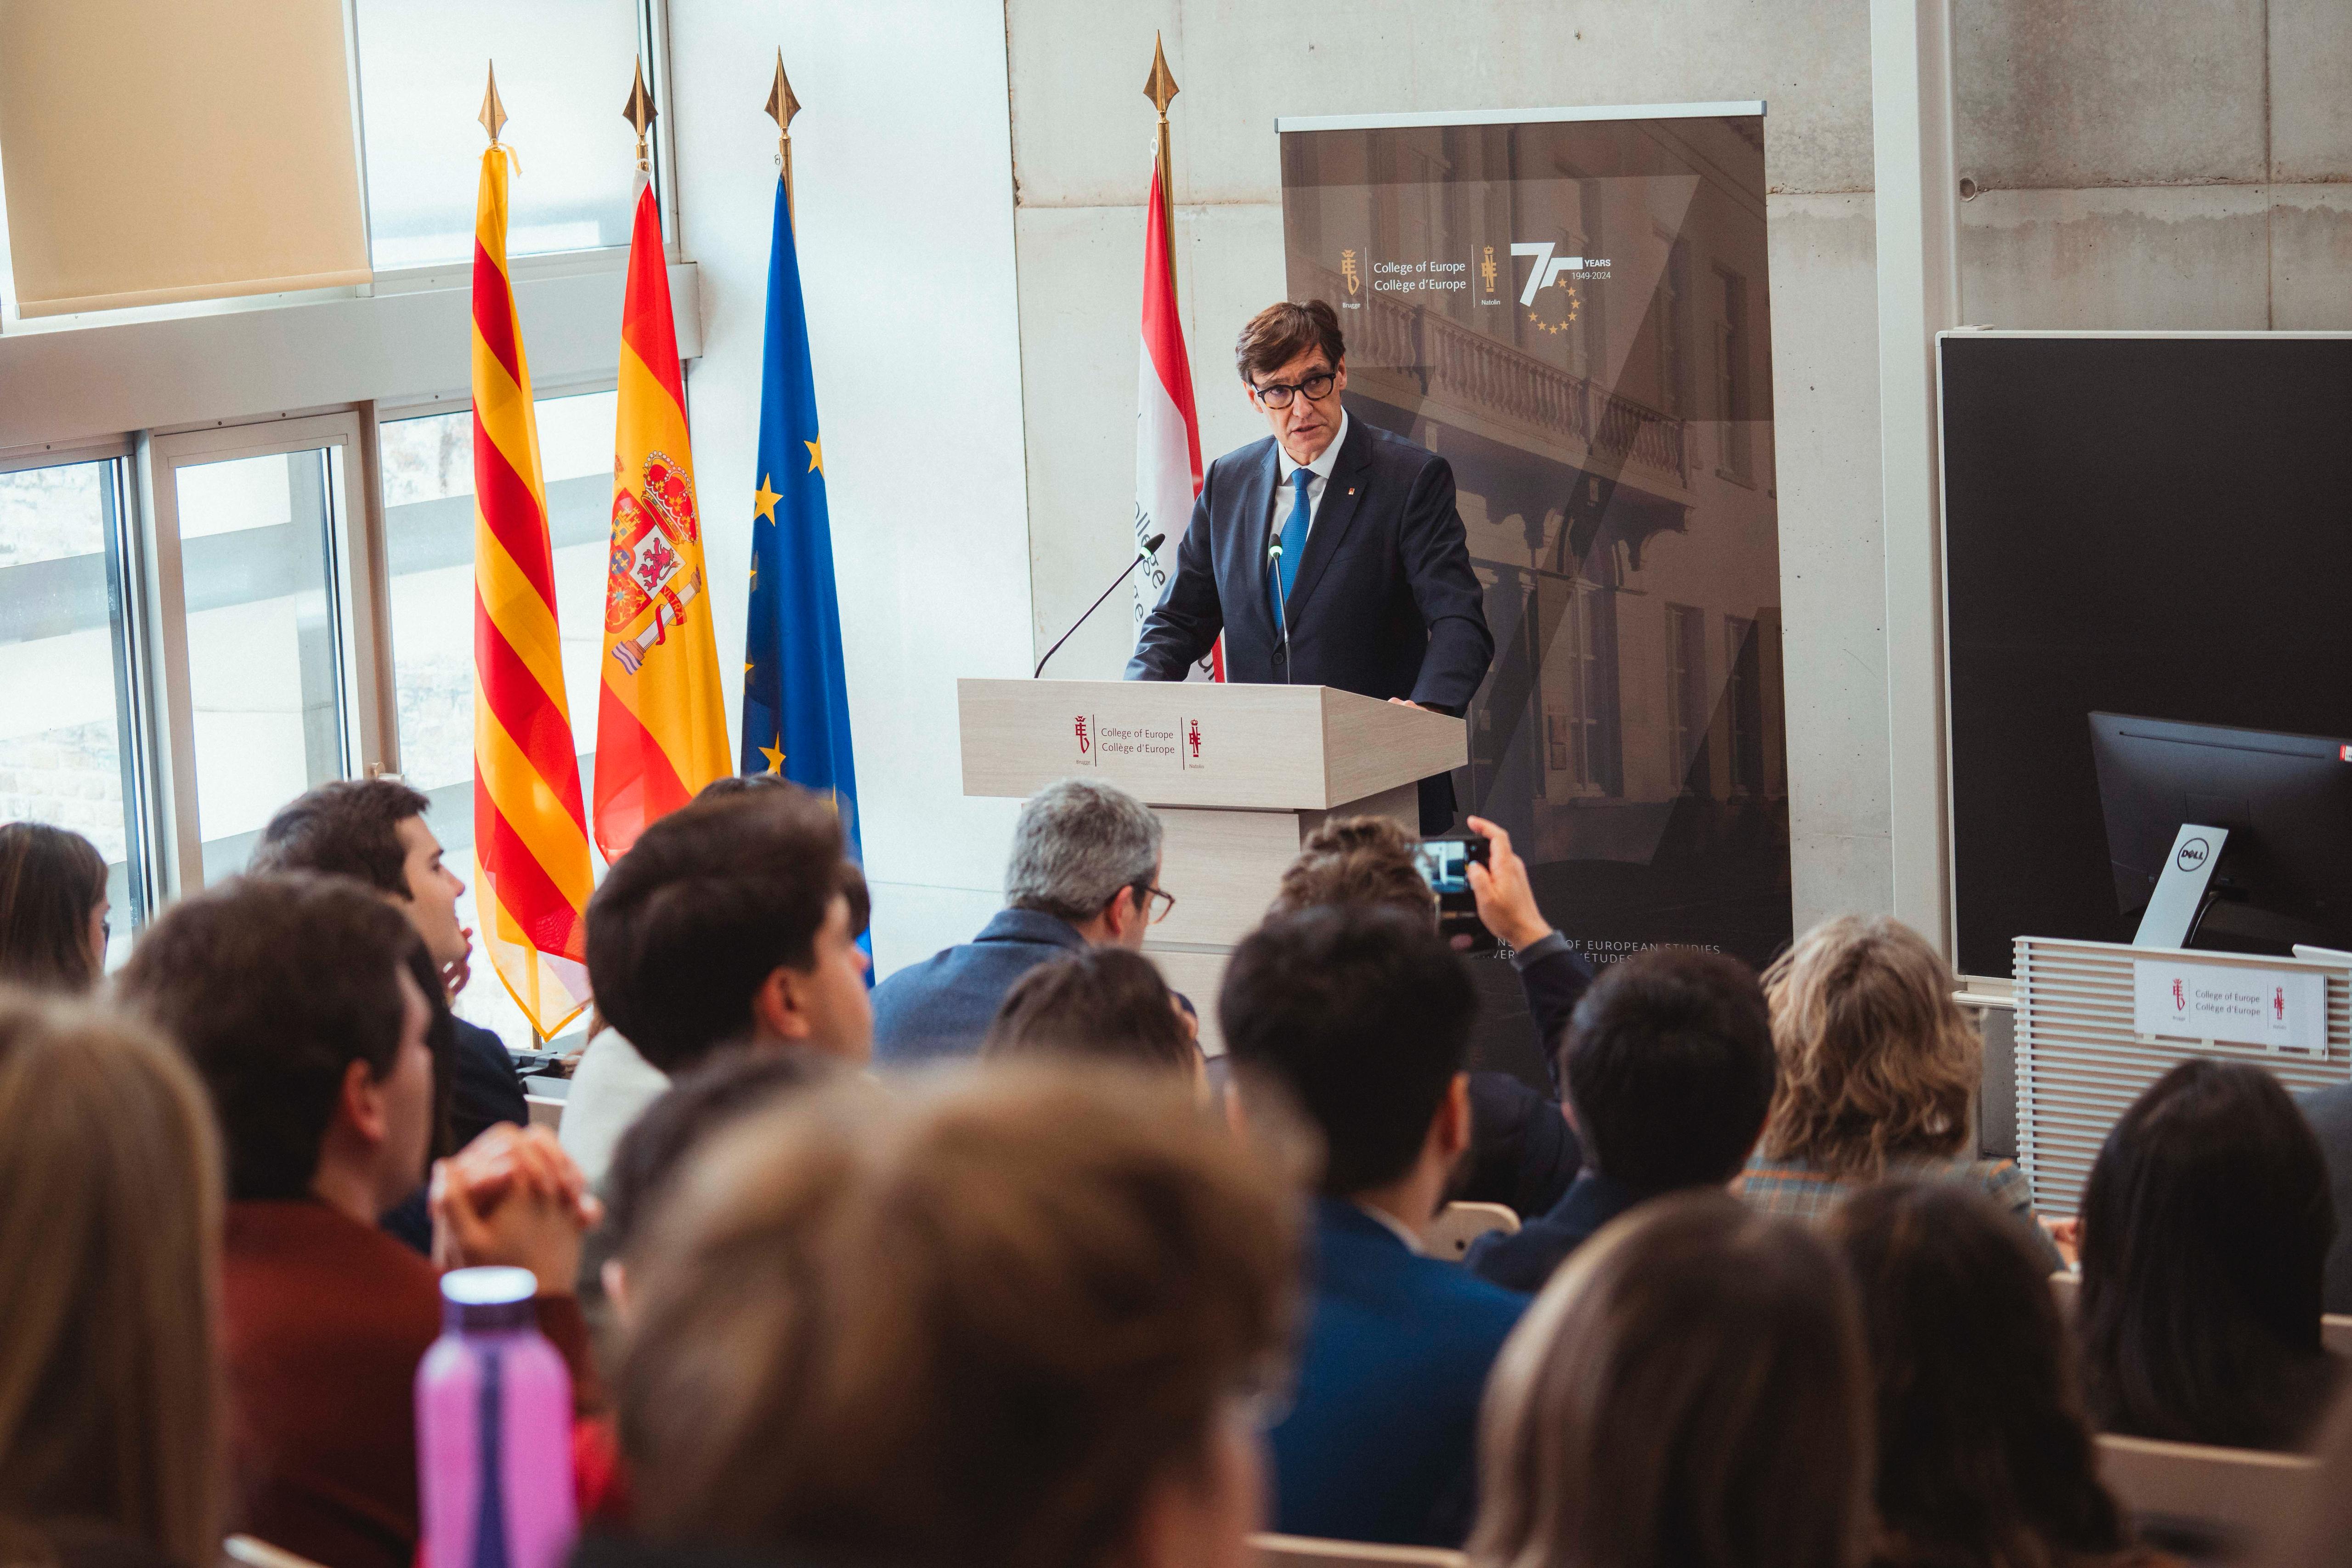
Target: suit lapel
[1255, 505]
[1341, 493]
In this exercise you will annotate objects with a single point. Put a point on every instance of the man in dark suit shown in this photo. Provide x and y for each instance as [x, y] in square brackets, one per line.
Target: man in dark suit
[1085, 870]
[1670, 1072]
[1359, 1018]
[374, 830]
[1329, 553]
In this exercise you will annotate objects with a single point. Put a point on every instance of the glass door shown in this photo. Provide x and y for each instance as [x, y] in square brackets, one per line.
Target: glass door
[268, 643]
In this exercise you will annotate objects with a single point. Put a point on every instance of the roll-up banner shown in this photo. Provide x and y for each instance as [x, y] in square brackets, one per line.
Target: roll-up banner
[1571, 307]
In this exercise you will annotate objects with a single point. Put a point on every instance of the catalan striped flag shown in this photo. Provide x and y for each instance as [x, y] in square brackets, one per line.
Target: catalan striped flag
[531, 837]
[661, 722]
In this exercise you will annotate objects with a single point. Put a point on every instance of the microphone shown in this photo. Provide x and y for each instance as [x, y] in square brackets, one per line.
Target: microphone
[1281, 611]
[1143, 552]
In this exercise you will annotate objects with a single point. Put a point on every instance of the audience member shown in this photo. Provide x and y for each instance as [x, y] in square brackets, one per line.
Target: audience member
[2330, 1111]
[1670, 1075]
[1017, 1320]
[732, 921]
[1690, 1390]
[1523, 1152]
[712, 1095]
[1085, 872]
[374, 830]
[1360, 1019]
[109, 1227]
[1106, 1003]
[2206, 1224]
[53, 908]
[1985, 1459]
[295, 997]
[1877, 1066]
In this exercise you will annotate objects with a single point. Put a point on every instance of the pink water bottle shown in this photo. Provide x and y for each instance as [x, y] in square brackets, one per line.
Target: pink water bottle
[494, 1429]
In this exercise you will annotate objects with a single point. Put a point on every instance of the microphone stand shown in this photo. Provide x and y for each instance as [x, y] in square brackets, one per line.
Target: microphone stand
[1281, 611]
[1143, 552]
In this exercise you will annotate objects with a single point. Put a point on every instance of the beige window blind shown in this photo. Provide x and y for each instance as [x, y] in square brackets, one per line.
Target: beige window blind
[164, 150]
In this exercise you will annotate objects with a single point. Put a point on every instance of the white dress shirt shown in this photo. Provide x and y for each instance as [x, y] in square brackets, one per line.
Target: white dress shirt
[1324, 461]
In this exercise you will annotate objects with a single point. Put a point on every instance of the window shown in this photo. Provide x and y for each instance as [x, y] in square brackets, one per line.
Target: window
[428, 508]
[1732, 375]
[1578, 676]
[1687, 707]
[1744, 658]
[267, 608]
[563, 71]
[1674, 288]
[63, 753]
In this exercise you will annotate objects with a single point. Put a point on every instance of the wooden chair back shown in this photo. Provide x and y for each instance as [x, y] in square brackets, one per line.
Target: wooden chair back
[2216, 1504]
[1449, 1234]
[1308, 1551]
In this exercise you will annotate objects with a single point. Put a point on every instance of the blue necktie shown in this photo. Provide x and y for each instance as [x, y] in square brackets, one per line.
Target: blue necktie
[1294, 540]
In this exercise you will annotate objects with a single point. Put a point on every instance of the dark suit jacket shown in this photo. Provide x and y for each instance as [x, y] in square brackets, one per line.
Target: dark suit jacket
[324, 1321]
[1383, 602]
[1378, 1445]
[2330, 1111]
[1525, 1260]
[486, 1090]
[1523, 1152]
[943, 1005]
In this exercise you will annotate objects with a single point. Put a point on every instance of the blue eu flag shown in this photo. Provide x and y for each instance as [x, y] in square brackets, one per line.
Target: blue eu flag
[795, 695]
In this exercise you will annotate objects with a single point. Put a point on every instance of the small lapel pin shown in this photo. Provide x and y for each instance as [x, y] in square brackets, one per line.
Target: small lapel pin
[1351, 490]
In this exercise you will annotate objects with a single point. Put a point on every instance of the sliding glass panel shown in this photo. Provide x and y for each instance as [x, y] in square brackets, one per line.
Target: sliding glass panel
[266, 677]
[63, 760]
[429, 496]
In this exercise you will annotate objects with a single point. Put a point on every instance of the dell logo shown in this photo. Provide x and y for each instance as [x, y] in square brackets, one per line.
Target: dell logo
[2193, 854]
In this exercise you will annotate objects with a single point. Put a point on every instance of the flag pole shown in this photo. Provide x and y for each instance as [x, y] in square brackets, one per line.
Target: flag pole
[1161, 89]
[781, 107]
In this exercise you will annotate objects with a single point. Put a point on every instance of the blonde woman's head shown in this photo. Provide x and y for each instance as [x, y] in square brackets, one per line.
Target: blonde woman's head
[1877, 1060]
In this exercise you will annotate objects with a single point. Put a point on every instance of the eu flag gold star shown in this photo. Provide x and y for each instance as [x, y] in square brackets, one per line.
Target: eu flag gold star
[775, 756]
[816, 455]
[765, 503]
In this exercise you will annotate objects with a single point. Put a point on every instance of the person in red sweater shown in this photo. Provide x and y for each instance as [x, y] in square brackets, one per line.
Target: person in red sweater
[308, 1007]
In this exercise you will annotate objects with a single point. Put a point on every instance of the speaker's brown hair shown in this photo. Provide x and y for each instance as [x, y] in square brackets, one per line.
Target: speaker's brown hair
[971, 1323]
[1281, 332]
[110, 1228]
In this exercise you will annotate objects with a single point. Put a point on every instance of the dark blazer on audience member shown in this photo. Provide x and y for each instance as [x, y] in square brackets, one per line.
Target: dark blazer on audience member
[2330, 1111]
[1380, 1440]
[943, 1005]
[324, 1321]
[1525, 1260]
[1523, 1152]
[486, 1088]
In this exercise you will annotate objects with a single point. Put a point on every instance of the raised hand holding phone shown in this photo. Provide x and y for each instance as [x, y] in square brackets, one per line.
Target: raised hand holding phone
[1506, 904]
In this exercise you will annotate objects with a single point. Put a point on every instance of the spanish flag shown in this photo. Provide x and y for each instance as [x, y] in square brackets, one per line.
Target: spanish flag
[530, 838]
[661, 722]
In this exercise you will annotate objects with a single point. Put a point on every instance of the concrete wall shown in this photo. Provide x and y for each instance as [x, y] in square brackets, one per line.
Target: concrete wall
[903, 177]
[2182, 166]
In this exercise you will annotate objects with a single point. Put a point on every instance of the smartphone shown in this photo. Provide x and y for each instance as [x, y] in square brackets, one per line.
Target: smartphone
[1444, 864]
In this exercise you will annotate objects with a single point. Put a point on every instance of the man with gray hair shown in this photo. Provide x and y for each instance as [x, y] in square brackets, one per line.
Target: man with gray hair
[1085, 872]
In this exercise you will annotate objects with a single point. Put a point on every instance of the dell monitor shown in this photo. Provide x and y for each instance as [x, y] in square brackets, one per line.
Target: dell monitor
[2277, 870]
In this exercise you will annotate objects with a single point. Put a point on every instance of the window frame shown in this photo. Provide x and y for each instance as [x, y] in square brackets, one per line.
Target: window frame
[356, 593]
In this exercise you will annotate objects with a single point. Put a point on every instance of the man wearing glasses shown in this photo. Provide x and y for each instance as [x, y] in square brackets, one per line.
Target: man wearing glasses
[1329, 553]
[1084, 872]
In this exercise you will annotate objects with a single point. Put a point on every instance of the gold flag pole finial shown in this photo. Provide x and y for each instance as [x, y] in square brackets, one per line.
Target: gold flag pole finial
[781, 107]
[639, 112]
[494, 114]
[1161, 89]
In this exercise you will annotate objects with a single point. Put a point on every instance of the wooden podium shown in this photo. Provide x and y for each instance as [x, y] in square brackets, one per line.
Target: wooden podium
[1240, 774]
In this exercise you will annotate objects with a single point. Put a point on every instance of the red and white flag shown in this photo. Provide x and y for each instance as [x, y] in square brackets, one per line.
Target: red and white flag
[1167, 427]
